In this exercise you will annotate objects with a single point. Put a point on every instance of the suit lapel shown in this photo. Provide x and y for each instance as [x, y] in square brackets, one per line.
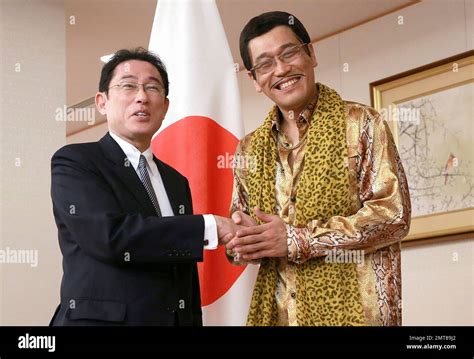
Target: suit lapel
[126, 173]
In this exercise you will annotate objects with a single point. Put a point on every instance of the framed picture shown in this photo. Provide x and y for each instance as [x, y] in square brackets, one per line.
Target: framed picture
[430, 113]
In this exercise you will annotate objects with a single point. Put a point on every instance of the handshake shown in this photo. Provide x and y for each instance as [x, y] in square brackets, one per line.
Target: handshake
[247, 240]
[227, 227]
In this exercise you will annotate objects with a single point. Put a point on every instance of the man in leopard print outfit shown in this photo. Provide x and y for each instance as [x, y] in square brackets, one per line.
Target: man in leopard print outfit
[323, 189]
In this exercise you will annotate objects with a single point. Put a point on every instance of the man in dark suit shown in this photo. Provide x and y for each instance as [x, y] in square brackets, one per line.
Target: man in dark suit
[126, 231]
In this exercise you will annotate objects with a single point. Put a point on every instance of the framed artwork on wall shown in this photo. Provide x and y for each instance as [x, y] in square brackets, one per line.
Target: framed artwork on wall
[430, 113]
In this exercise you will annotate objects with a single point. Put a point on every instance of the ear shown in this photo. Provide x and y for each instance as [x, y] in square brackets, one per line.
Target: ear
[100, 101]
[258, 88]
[166, 105]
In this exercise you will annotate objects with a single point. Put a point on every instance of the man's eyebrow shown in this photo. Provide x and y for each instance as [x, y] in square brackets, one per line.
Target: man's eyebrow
[282, 47]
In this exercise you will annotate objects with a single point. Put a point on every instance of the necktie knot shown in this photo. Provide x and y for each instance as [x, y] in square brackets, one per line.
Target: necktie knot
[142, 162]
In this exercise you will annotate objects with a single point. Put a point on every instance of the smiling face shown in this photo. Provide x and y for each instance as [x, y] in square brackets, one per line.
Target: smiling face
[290, 85]
[133, 115]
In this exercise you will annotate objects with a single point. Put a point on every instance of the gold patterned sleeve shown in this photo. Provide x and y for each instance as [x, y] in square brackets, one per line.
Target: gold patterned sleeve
[382, 212]
[239, 192]
[239, 200]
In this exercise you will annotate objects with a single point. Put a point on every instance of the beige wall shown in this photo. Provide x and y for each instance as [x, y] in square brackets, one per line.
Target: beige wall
[438, 284]
[95, 133]
[32, 41]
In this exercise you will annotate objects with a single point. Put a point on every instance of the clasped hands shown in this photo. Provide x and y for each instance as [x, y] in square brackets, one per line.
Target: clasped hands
[250, 241]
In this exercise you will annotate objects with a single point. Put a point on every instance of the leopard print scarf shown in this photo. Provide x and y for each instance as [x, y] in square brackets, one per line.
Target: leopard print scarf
[327, 293]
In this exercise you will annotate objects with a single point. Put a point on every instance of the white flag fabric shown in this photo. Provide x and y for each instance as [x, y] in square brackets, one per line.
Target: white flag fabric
[199, 136]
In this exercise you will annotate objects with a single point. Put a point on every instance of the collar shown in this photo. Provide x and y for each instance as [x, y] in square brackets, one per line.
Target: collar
[132, 153]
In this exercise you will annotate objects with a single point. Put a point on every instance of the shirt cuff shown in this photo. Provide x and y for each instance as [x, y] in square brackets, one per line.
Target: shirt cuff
[301, 246]
[299, 249]
[210, 232]
[292, 243]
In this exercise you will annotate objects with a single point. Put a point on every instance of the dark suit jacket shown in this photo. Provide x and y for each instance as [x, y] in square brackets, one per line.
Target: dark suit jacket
[123, 265]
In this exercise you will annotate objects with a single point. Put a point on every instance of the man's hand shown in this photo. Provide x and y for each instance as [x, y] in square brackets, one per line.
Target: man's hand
[258, 241]
[242, 218]
[226, 229]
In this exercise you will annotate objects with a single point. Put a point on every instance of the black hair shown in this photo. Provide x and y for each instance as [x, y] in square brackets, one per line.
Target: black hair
[138, 53]
[265, 22]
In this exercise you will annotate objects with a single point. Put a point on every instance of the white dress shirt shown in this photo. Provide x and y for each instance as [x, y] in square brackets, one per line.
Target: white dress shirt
[133, 156]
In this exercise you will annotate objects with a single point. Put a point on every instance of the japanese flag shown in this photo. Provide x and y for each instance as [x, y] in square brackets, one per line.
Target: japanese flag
[199, 136]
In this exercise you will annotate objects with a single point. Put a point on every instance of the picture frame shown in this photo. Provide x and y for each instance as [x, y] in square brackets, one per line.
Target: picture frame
[429, 111]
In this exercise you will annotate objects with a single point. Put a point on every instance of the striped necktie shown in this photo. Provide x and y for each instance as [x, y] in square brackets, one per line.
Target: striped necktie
[145, 178]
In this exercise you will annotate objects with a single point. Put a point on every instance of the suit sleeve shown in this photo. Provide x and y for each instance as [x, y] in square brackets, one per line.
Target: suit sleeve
[88, 213]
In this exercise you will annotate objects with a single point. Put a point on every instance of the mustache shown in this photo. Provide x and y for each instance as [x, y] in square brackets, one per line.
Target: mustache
[286, 78]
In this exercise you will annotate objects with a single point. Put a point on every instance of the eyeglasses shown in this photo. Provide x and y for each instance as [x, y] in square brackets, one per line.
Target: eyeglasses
[289, 55]
[132, 87]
